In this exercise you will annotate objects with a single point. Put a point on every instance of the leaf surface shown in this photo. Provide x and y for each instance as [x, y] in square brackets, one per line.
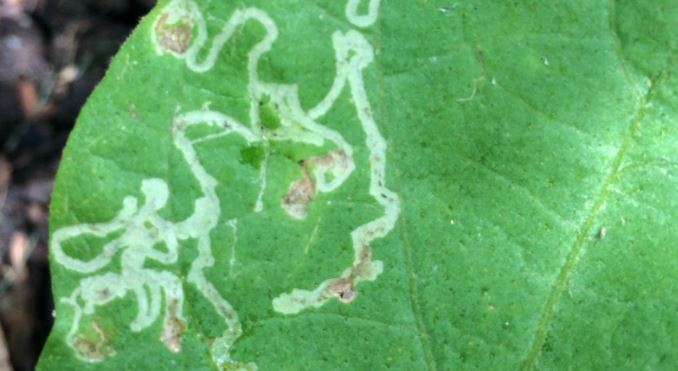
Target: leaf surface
[374, 185]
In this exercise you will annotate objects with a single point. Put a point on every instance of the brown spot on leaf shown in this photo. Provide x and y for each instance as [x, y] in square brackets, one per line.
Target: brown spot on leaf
[172, 328]
[343, 290]
[300, 194]
[335, 158]
[174, 37]
[94, 346]
[363, 266]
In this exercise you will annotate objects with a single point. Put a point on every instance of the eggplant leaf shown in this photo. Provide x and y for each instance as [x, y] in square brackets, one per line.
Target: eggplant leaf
[365, 185]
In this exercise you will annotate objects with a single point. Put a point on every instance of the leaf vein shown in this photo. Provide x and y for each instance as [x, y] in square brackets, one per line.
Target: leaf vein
[584, 231]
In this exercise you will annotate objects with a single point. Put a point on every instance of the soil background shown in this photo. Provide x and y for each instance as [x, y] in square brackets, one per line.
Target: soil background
[52, 55]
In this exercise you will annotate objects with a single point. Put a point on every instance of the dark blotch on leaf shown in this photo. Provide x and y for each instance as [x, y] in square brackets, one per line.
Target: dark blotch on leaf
[252, 155]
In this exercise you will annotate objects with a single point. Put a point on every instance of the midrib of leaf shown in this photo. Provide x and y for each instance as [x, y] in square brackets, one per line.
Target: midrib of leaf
[616, 40]
[585, 230]
[404, 236]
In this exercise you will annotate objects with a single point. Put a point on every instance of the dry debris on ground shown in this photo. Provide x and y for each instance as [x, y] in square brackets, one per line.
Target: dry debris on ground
[52, 54]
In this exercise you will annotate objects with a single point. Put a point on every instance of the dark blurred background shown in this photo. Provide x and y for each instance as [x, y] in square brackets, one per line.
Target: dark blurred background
[52, 55]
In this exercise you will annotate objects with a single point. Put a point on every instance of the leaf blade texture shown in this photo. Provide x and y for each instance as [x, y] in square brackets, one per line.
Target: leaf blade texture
[374, 185]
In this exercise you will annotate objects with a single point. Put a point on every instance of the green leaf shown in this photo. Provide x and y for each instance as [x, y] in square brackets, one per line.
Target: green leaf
[367, 185]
